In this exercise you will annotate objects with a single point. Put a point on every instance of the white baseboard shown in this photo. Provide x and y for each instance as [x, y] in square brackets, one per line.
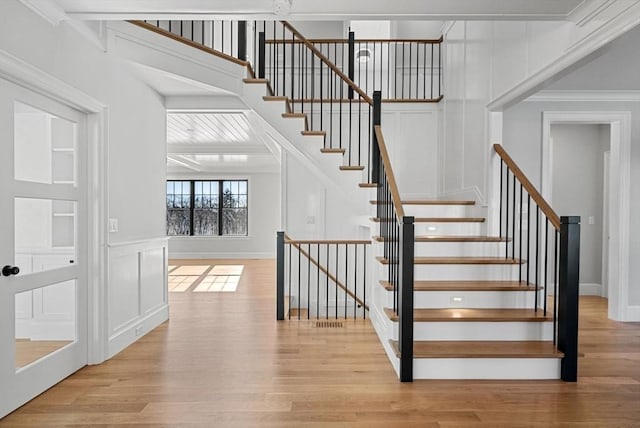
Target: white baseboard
[136, 330]
[221, 255]
[633, 313]
[586, 289]
[590, 289]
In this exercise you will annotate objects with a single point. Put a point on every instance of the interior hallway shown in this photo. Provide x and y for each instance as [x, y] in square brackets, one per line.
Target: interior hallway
[223, 360]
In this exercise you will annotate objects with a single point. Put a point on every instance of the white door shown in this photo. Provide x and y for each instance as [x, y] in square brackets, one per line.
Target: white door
[43, 244]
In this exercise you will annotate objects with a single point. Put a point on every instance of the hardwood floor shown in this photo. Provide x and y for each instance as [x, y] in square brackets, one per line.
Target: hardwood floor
[223, 361]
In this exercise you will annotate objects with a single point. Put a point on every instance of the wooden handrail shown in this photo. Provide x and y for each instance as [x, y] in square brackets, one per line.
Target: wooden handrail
[324, 270]
[189, 42]
[328, 63]
[328, 241]
[530, 188]
[344, 41]
[393, 186]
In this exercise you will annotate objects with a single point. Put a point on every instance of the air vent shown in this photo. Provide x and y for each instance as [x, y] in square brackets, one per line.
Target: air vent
[328, 324]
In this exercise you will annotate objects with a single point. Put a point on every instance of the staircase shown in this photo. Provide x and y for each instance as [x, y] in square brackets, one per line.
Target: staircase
[448, 300]
[473, 318]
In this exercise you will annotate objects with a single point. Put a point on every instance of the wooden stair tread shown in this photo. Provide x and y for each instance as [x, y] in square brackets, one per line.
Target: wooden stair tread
[351, 167]
[341, 151]
[475, 349]
[429, 202]
[440, 219]
[459, 261]
[295, 115]
[368, 185]
[442, 238]
[254, 80]
[320, 133]
[274, 98]
[467, 286]
[474, 315]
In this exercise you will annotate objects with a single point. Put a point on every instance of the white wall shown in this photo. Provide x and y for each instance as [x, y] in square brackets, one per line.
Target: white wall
[522, 136]
[264, 221]
[578, 153]
[136, 129]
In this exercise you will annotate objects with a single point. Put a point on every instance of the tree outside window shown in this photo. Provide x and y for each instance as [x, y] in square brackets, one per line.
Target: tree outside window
[194, 208]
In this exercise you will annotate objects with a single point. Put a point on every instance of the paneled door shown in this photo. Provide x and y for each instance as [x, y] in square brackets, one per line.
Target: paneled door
[43, 244]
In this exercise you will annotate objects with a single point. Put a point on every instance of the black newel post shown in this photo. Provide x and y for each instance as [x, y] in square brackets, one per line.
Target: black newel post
[261, 54]
[569, 276]
[242, 40]
[375, 150]
[280, 276]
[351, 60]
[405, 304]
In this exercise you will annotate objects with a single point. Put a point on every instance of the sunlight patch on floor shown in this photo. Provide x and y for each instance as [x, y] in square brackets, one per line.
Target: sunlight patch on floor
[204, 278]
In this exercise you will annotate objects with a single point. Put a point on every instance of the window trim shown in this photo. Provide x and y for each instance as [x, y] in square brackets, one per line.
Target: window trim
[221, 208]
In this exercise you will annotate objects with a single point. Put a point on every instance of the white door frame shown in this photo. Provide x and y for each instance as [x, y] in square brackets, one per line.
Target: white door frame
[620, 170]
[24, 74]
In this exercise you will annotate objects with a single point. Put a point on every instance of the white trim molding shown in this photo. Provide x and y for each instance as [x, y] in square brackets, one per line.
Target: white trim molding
[585, 96]
[620, 184]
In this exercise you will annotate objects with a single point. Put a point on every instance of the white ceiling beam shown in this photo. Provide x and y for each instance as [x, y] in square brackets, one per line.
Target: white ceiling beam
[205, 104]
[186, 163]
[215, 149]
[327, 9]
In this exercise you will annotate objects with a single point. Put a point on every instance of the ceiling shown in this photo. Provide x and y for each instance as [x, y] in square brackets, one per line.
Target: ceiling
[324, 10]
[214, 143]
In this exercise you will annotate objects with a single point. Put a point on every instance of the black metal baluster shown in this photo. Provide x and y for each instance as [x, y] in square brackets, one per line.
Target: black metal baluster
[500, 208]
[555, 291]
[327, 288]
[402, 86]
[513, 232]
[546, 261]
[409, 76]
[537, 251]
[293, 63]
[506, 209]
[290, 261]
[318, 282]
[346, 277]
[299, 278]
[355, 279]
[337, 278]
[364, 278]
[520, 243]
[528, 236]
[308, 280]
[313, 85]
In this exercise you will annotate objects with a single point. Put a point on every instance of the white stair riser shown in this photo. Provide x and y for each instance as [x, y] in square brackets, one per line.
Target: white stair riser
[466, 272]
[482, 330]
[453, 249]
[454, 229]
[486, 368]
[472, 299]
[443, 211]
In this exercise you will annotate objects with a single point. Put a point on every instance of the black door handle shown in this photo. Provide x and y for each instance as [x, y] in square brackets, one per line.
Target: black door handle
[10, 270]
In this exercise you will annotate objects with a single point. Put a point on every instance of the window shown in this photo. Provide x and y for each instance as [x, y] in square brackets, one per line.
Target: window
[194, 208]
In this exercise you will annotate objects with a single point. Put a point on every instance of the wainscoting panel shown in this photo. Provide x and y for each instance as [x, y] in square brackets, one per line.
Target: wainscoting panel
[137, 290]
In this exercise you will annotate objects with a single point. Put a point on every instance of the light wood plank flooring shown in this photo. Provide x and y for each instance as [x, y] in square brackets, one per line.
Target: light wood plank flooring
[223, 361]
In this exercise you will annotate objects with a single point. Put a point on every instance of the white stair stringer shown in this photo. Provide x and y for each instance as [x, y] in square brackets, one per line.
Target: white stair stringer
[306, 148]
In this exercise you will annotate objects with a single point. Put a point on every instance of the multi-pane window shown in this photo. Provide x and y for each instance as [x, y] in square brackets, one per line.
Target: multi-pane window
[194, 208]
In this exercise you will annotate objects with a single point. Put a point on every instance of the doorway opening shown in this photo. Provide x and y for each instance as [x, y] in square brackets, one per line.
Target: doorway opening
[562, 156]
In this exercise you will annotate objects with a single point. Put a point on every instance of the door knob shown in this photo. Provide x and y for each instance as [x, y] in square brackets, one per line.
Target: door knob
[10, 270]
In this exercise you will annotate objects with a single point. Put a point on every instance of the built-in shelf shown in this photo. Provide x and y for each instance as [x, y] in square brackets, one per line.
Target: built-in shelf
[63, 214]
[64, 149]
[64, 182]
